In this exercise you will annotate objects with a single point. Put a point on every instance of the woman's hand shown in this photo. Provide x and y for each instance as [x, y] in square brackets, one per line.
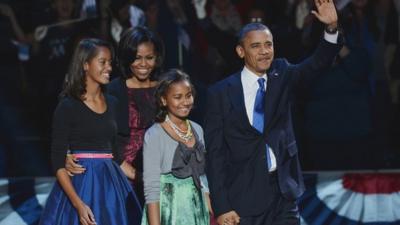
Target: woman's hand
[86, 216]
[128, 170]
[153, 213]
[72, 167]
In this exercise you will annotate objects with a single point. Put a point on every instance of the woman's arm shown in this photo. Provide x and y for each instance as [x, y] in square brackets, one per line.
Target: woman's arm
[152, 174]
[206, 191]
[86, 216]
[208, 201]
[153, 213]
[128, 170]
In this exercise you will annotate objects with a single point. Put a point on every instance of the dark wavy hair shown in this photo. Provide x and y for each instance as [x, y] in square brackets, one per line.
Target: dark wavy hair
[75, 80]
[128, 46]
[168, 78]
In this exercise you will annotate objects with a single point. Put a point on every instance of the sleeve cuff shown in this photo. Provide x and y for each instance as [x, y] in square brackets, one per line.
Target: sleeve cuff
[204, 183]
[331, 38]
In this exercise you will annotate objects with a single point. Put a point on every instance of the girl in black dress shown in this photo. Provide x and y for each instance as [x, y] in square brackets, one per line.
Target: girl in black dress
[84, 122]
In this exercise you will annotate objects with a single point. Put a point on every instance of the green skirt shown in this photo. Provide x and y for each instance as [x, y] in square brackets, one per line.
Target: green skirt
[181, 203]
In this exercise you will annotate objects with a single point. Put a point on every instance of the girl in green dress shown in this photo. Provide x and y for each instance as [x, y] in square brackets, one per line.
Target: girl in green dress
[175, 185]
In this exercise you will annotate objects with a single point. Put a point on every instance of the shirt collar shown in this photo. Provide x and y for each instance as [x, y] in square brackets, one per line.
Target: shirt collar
[249, 78]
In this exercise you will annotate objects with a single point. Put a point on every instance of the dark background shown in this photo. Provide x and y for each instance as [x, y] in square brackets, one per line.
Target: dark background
[347, 119]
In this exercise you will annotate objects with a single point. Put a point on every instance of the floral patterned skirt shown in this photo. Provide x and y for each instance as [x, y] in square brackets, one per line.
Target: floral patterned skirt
[181, 203]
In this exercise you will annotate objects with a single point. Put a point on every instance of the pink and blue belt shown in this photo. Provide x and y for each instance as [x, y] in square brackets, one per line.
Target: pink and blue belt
[92, 154]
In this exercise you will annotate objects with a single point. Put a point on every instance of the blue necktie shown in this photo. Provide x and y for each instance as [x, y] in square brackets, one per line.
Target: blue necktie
[258, 114]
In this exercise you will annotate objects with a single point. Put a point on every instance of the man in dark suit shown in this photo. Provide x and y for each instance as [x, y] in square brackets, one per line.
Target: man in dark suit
[253, 167]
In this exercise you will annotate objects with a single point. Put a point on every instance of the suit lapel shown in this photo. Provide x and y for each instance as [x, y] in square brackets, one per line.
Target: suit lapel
[271, 99]
[237, 99]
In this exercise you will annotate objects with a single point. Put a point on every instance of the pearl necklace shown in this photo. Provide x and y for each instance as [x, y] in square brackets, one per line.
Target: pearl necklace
[185, 136]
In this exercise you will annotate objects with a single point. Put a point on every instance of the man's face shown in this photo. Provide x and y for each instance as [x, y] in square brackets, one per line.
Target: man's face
[257, 50]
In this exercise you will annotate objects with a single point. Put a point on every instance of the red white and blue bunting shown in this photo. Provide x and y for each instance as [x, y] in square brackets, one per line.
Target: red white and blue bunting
[331, 198]
[351, 199]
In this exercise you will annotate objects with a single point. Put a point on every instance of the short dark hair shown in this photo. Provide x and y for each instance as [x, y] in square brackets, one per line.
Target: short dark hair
[75, 80]
[128, 46]
[248, 28]
[168, 78]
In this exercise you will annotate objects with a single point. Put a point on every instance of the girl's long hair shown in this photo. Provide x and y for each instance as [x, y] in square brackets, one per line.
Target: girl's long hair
[75, 80]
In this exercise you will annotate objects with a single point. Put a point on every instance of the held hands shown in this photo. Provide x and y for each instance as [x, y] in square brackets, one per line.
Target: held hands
[326, 12]
[229, 218]
[72, 167]
[86, 216]
[128, 170]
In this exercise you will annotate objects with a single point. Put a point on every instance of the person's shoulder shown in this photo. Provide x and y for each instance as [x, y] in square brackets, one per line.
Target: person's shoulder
[67, 102]
[153, 132]
[196, 126]
[110, 98]
[222, 84]
[66, 105]
[279, 63]
[114, 84]
[115, 81]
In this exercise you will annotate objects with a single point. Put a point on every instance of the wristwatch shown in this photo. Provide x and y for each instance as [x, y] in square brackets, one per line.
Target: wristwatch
[331, 30]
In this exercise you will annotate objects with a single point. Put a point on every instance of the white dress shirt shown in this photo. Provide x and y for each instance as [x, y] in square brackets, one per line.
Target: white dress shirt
[250, 86]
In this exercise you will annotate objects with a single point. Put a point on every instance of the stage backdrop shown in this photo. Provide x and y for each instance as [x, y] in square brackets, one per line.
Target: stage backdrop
[332, 198]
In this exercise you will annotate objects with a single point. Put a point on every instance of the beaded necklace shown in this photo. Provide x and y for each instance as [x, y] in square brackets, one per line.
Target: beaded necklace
[185, 136]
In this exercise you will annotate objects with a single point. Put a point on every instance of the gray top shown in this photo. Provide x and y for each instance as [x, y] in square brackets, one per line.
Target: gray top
[158, 154]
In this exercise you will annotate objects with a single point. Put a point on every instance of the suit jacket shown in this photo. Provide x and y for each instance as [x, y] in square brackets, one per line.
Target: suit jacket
[236, 164]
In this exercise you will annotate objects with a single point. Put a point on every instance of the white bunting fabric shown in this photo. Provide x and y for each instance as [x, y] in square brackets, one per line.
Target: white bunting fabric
[331, 198]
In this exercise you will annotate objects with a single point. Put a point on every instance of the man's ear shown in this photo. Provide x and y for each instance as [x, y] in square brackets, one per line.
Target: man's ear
[240, 51]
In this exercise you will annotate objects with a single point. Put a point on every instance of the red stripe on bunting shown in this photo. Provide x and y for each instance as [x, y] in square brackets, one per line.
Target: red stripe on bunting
[381, 183]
